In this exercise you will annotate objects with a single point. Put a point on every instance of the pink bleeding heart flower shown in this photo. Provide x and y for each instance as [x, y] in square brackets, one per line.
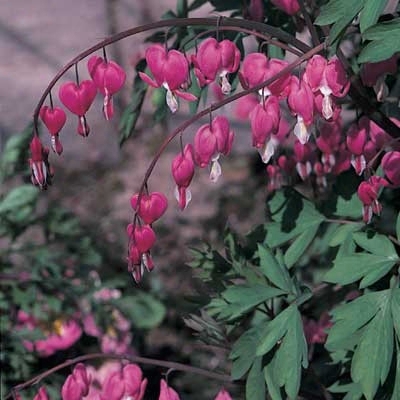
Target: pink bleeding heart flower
[391, 167]
[328, 77]
[257, 68]
[54, 119]
[142, 236]
[41, 394]
[78, 99]
[301, 104]
[356, 140]
[109, 78]
[290, 7]
[255, 10]
[223, 395]
[210, 141]
[182, 169]
[166, 392]
[374, 75]
[304, 156]
[151, 207]
[264, 120]
[328, 141]
[41, 172]
[214, 59]
[368, 192]
[76, 385]
[170, 70]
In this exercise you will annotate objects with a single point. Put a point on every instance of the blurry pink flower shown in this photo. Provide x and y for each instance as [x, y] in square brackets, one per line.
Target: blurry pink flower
[223, 395]
[166, 392]
[214, 59]
[368, 192]
[210, 141]
[182, 171]
[170, 70]
[42, 394]
[76, 386]
[391, 167]
[151, 206]
[78, 99]
[290, 7]
[245, 105]
[109, 78]
[315, 331]
[255, 10]
[54, 118]
[39, 163]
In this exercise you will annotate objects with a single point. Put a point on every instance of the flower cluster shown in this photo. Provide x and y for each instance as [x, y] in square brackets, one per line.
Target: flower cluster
[112, 381]
[107, 77]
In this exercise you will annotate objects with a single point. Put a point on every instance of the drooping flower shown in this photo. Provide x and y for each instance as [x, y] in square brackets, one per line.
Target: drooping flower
[182, 171]
[151, 207]
[356, 140]
[315, 331]
[223, 395]
[76, 386]
[290, 7]
[54, 119]
[255, 10]
[109, 78]
[328, 77]
[41, 394]
[78, 99]
[301, 104]
[41, 172]
[391, 167]
[170, 70]
[214, 59]
[304, 157]
[210, 141]
[368, 193]
[166, 392]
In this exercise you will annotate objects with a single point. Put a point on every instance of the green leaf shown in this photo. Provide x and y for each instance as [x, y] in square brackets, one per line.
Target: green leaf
[339, 13]
[131, 114]
[398, 227]
[351, 208]
[241, 300]
[243, 352]
[396, 311]
[271, 268]
[21, 196]
[144, 310]
[255, 383]
[376, 244]
[369, 267]
[290, 355]
[396, 389]
[300, 245]
[343, 233]
[373, 356]
[385, 41]
[371, 12]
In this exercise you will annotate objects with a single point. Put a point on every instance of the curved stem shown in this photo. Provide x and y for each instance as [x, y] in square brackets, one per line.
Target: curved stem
[174, 22]
[222, 103]
[136, 359]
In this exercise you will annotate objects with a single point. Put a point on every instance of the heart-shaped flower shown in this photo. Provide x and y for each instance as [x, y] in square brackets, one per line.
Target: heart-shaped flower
[151, 207]
[54, 118]
[143, 236]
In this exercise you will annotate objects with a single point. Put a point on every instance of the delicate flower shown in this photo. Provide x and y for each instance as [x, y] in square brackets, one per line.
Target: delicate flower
[109, 78]
[303, 155]
[182, 171]
[214, 59]
[54, 118]
[315, 331]
[255, 10]
[301, 103]
[210, 141]
[328, 77]
[41, 173]
[391, 167]
[166, 392]
[41, 394]
[290, 7]
[78, 99]
[151, 206]
[374, 75]
[76, 385]
[356, 139]
[143, 236]
[223, 395]
[170, 70]
[368, 193]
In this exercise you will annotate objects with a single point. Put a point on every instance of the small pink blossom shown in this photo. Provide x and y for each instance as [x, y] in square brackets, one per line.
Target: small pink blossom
[77, 384]
[290, 7]
[368, 193]
[391, 167]
[78, 99]
[166, 392]
[315, 331]
[54, 118]
[151, 206]
[182, 171]
[41, 173]
[170, 70]
[223, 395]
[255, 10]
[109, 78]
[41, 394]
[214, 59]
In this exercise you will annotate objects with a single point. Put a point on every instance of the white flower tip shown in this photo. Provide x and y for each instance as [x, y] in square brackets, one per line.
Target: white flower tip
[172, 102]
[216, 171]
